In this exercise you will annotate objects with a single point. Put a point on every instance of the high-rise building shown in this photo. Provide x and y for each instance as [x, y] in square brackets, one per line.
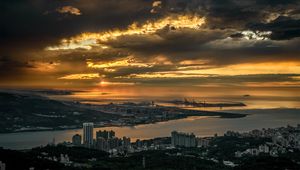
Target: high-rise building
[88, 130]
[105, 134]
[138, 143]
[2, 166]
[183, 139]
[202, 142]
[126, 142]
[102, 144]
[111, 134]
[114, 142]
[76, 140]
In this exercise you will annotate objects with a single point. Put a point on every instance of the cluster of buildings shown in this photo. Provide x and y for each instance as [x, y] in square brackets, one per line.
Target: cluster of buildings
[268, 148]
[188, 140]
[63, 158]
[107, 141]
[288, 132]
[284, 139]
[281, 140]
[104, 140]
[139, 113]
[183, 139]
[262, 149]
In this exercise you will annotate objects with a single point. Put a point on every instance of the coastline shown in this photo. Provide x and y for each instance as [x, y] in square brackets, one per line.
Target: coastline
[202, 126]
[221, 115]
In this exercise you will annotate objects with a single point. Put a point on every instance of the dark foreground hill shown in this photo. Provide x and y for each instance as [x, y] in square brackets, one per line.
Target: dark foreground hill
[90, 159]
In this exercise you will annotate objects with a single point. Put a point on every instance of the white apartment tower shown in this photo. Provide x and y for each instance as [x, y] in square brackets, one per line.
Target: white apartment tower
[88, 130]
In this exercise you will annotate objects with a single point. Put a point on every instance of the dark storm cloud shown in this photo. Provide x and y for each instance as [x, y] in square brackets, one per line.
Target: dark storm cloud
[166, 40]
[36, 23]
[83, 55]
[246, 14]
[208, 45]
[127, 71]
[237, 14]
[7, 63]
[230, 14]
[237, 35]
[282, 28]
[276, 2]
[221, 80]
[28, 26]
[224, 18]
[11, 69]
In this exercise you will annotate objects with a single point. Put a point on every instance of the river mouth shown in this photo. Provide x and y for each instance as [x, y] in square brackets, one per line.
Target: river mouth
[200, 126]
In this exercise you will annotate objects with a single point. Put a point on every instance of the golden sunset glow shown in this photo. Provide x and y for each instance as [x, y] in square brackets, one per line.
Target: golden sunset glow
[88, 40]
[80, 76]
[130, 62]
[107, 83]
[233, 70]
[258, 68]
[152, 43]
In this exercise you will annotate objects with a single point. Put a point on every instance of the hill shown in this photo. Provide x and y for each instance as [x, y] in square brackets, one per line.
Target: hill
[26, 112]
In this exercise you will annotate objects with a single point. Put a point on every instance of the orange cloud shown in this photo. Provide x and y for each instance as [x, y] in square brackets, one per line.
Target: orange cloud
[80, 76]
[88, 40]
[69, 10]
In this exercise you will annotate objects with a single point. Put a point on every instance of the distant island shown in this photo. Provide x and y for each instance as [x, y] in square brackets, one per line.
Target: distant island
[21, 112]
[193, 103]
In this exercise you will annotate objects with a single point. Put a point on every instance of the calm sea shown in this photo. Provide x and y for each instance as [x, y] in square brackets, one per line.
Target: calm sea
[265, 111]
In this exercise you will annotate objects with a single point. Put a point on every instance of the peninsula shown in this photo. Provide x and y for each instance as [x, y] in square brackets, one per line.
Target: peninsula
[21, 112]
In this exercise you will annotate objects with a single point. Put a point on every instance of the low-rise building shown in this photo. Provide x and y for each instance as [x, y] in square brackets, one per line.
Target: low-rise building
[76, 140]
[2, 165]
[264, 149]
[238, 154]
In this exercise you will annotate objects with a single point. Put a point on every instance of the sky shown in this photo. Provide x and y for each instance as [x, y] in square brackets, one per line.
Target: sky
[87, 44]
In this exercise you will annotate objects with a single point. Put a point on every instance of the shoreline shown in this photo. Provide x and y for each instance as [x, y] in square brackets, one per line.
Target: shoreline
[202, 126]
[220, 116]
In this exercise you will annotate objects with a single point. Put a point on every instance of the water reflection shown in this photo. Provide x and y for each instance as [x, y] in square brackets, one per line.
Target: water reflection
[201, 126]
